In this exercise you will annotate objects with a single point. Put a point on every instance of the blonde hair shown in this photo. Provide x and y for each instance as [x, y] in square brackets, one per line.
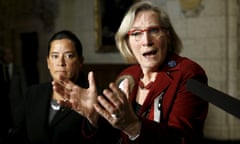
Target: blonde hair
[121, 37]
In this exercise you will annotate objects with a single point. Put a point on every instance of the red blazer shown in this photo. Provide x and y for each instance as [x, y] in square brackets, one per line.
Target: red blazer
[182, 113]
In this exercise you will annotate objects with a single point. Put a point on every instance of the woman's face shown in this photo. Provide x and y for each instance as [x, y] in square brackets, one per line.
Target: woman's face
[147, 40]
[64, 60]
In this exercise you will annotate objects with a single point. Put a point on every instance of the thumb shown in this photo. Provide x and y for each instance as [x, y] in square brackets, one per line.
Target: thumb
[125, 86]
[91, 80]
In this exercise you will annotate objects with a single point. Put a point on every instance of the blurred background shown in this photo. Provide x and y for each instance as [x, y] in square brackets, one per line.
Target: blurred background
[209, 29]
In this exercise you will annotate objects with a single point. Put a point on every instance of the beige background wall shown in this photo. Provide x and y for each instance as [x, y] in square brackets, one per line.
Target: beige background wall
[210, 37]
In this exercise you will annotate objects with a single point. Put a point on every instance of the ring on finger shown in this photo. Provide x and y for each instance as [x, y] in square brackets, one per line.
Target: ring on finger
[65, 100]
[114, 116]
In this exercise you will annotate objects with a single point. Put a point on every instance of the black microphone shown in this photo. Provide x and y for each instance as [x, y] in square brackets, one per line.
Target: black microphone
[214, 96]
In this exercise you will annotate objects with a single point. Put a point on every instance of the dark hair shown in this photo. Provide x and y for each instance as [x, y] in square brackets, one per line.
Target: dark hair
[66, 34]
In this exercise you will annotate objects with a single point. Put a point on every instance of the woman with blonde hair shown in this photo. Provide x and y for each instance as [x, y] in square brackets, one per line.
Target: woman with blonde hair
[149, 102]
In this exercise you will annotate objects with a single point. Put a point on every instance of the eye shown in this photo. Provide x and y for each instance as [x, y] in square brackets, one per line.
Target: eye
[69, 55]
[154, 30]
[54, 56]
[135, 33]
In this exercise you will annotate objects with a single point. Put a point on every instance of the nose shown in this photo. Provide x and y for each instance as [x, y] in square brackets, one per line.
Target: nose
[61, 61]
[146, 39]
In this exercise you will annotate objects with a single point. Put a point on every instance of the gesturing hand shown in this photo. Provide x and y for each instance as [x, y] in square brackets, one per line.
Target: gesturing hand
[115, 107]
[77, 98]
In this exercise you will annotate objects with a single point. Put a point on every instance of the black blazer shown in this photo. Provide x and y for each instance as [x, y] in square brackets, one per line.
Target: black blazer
[66, 126]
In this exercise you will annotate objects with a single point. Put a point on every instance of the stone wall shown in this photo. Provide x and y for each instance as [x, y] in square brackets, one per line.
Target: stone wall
[210, 35]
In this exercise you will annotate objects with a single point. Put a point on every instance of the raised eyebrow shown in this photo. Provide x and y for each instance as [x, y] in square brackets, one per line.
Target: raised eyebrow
[151, 27]
[69, 52]
[57, 53]
[51, 53]
[140, 29]
[133, 30]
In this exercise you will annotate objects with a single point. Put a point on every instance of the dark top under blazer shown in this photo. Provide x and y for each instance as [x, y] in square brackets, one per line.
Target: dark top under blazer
[65, 127]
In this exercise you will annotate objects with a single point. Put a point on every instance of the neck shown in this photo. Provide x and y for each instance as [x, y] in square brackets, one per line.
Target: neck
[147, 80]
[145, 86]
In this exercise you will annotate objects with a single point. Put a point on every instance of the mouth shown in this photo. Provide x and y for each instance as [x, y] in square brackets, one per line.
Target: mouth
[61, 72]
[150, 53]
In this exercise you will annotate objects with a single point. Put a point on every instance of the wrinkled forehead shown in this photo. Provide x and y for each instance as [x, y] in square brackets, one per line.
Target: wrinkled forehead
[145, 19]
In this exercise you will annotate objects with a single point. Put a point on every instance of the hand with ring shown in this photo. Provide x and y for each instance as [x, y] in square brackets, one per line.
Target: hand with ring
[115, 107]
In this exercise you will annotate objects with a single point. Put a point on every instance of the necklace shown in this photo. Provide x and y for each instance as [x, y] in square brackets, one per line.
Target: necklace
[54, 105]
[148, 86]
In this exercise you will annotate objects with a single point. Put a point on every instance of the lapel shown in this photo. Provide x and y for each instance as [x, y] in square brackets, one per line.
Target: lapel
[160, 85]
[60, 115]
[64, 112]
[37, 109]
[170, 94]
[163, 83]
[43, 106]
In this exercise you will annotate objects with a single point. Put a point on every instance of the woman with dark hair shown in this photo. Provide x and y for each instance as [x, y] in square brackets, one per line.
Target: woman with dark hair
[45, 121]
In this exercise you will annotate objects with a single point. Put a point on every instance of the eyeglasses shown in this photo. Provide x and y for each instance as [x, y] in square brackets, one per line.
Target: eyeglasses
[154, 32]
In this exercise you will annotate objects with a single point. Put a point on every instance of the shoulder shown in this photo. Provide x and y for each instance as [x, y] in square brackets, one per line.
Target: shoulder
[185, 68]
[39, 88]
[38, 91]
[191, 69]
[189, 65]
[131, 69]
[40, 85]
[131, 73]
[182, 63]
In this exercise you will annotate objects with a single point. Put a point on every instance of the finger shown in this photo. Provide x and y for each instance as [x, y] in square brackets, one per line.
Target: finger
[91, 80]
[126, 87]
[75, 102]
[118, 93]
[112, 97]
[113, 87]
[68, 84]
[102, 112]
[61, 89]
[106, 104]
